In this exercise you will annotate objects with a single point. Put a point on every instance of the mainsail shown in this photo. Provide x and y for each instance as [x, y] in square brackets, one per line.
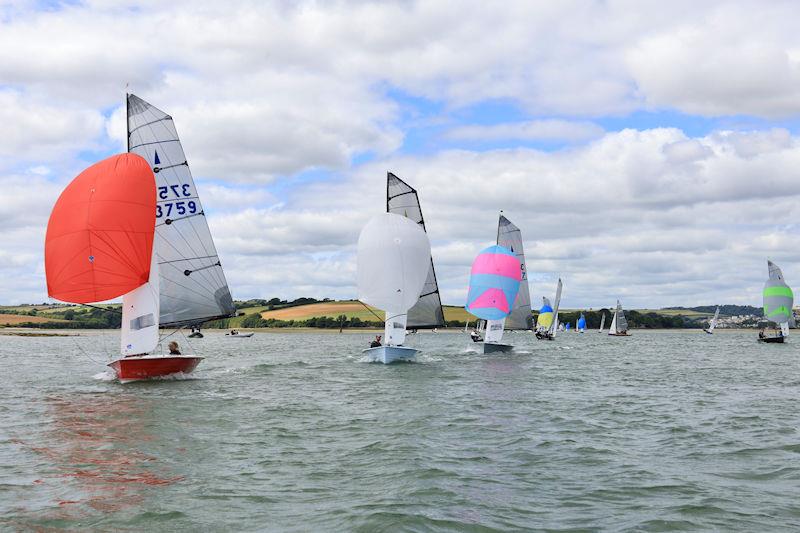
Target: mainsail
[554, 325]
[509, 236]
[713, 322]
[619, 319]
[602, 322]
[402, 199]
[778, 298]
[192, 284]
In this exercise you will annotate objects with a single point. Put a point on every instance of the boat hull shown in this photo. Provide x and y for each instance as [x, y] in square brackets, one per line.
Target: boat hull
[772, 340]
[619, 334]
[153, 366]
[240, 335]
[496, 347]
[196, 335]
[709, 332]
[390, 354]
[544, 336]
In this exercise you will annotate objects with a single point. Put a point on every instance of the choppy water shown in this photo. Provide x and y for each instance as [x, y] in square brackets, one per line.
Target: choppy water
[662, 431]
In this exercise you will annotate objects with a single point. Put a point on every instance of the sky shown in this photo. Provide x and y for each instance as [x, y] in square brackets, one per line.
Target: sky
[649, 151]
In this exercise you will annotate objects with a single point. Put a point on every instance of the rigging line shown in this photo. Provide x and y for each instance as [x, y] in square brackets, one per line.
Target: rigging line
[371, 311]
[154, 142]
[84, 352]
[188, 272]
[169, 221]
[179, 260]
[156, 170]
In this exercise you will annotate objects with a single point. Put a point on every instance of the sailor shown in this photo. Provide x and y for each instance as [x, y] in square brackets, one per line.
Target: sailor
[761, 334]
[173, 348]
[475, 336]
[376, 343]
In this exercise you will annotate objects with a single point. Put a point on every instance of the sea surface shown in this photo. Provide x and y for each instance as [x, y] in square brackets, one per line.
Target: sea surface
[661, 431]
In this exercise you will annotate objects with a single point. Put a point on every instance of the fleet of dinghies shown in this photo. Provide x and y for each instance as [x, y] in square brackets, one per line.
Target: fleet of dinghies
[133, 226]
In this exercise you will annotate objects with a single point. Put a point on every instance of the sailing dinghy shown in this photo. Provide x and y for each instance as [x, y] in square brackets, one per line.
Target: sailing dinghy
[778, 302]
[402, 199]
[602, 322]
[580, 326]
[713, 323]
[619, 325]
[550, 332]
[393, 264]
[493, 286]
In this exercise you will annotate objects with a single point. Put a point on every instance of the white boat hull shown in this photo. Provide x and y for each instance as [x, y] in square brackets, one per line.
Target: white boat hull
[390, 354]
[240, 335]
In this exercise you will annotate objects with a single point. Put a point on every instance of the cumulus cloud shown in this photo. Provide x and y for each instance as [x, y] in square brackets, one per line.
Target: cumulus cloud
[535, 130]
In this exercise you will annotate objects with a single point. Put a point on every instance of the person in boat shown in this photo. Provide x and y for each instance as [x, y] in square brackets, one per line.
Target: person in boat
[376, 343]
[761, 333]
[234, 332]
[475, 336]
[174, 349]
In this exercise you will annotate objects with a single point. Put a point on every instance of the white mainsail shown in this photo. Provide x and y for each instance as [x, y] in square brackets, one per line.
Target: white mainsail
[193, 288]
[554, 325]
[402, 199]
[602, 322]
[713, 323]
[393, 264]
[612, 329]
[619, 324]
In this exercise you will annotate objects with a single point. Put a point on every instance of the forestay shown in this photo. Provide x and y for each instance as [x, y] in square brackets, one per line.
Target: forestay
[402, 199]
[509, 236]
[192, 283]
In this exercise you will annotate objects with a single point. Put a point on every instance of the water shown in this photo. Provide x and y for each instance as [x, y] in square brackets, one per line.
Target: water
[662, 431]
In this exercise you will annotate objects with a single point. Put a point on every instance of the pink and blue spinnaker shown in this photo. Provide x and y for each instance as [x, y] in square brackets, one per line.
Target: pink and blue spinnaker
[493, 283]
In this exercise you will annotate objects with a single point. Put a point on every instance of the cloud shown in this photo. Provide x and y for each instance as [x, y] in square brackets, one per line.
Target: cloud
[535, 130]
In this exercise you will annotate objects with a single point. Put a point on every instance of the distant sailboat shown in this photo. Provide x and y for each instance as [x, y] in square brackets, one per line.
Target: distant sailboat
[493, 286]
[619, 325]
[778, 302]
[550, 333]
[602, 322]
[713, 323]
[393, 263]
[545, 317]
[402, 199]
[581, 324]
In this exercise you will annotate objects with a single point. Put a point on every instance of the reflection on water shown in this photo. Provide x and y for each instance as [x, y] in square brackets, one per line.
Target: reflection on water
[97, 451]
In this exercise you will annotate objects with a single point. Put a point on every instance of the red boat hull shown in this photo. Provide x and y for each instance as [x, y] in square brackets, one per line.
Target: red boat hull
[148, 366]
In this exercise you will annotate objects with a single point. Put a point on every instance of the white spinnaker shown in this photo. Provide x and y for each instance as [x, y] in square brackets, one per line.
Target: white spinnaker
[402, 199]
[193, 285]
[140, 312]
[393, 263]
[510, 236]
[554, 325]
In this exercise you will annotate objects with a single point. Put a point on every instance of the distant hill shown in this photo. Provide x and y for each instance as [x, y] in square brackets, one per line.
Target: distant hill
[725, 310]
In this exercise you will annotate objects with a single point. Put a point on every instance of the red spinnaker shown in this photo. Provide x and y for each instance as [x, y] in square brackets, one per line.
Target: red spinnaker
[100, 234]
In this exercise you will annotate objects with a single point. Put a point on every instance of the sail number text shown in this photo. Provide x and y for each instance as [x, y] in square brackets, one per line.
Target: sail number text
[181, 207]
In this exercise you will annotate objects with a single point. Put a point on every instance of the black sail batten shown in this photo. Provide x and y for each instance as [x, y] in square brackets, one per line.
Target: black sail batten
[181, 247]
[510, 236]
[402, 199]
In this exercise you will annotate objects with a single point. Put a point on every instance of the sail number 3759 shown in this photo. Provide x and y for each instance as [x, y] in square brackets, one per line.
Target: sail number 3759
[181, 207]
